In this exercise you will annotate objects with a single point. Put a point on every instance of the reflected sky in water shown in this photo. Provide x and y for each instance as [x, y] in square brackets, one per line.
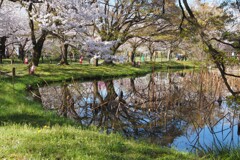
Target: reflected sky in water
[223, 133]
[186, 110]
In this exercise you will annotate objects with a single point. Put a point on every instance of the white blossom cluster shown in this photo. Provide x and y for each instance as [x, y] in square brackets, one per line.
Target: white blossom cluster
[92, 45]
[72, 22]
[13, 22]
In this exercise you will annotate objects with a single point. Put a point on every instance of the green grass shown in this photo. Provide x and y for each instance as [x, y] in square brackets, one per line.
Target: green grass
[219, 153]
[30, 132]
[67, 142]
[53, 72]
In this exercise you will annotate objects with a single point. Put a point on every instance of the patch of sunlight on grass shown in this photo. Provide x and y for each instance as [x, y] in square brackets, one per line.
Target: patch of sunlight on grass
[68, 142]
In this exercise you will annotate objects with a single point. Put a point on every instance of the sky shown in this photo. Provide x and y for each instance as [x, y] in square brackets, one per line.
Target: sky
[191, 2]
[211, 1]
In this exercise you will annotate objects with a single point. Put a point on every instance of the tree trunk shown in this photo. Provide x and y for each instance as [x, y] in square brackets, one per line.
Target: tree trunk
[36, 55]
[133, 54]
[96, 92]
[96, 62]
[63, 108]
[2, 47]
[67, 107]
[151, 92]
[169, 55]
[115, 47]
[114, 51]
[128, 56]
[37, 44]
[21, 49]
[21, 52]
[37, 48]
[111, 94]
[132, 82]
[151, 56]
[64, 55]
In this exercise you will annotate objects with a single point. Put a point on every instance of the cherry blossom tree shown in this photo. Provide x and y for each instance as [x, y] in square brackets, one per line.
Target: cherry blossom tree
[125, 19]
[135, 43]
[13, 28]
[70, 22]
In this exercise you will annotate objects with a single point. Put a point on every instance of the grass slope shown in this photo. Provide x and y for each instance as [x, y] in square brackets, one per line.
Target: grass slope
[67, 142]
[28, 131]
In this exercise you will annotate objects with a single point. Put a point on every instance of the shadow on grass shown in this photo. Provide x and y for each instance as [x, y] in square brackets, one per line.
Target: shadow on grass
[3, 102]
[35, 120]
[65, 144]
[18, 109]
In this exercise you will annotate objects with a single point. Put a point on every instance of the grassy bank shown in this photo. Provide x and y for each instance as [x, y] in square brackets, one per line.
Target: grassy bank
[54, 73]
[67, 142]
[30, 132]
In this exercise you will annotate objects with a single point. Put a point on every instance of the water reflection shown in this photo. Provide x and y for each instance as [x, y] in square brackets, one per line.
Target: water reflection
[186, 110]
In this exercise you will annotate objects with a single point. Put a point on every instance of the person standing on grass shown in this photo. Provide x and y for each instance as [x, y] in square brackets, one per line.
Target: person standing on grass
[32, 69]
[81, 59]
[26, 60]
[142, 58]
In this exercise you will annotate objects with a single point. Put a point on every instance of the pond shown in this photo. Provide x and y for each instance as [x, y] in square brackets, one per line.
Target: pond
[186, 110]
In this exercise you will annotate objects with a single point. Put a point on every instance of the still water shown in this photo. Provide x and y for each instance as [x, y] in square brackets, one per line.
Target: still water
[186, 110]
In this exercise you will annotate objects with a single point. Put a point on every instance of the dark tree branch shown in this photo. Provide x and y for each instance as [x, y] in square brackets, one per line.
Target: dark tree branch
[218, 60]
[183, 15]
[1, 2]
[31, 23]
[188, 9]
[163, 7]
[238, 4]
[229, 44]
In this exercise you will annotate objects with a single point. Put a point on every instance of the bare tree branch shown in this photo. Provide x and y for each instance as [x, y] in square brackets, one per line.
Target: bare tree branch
[1, 2]
[183, 15]
[229, 44]
[188, 9]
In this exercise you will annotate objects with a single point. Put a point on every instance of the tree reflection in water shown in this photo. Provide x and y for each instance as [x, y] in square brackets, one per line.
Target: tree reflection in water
[187, 110]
